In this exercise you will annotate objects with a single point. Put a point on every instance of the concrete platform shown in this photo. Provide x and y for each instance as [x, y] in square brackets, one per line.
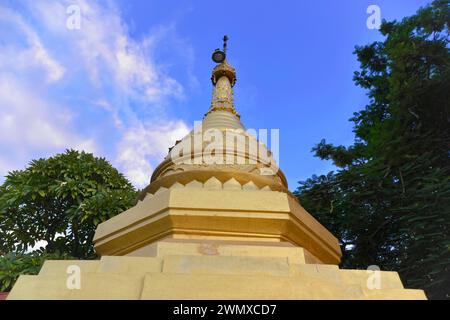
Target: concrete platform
[208, 270]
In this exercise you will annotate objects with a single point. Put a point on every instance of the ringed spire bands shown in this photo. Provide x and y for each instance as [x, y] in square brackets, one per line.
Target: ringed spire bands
[223, 78]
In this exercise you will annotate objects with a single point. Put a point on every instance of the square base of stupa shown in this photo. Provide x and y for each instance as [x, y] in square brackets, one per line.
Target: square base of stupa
[182, 269]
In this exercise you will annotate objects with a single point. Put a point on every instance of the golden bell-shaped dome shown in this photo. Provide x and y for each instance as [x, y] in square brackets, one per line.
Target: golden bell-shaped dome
[219, 146]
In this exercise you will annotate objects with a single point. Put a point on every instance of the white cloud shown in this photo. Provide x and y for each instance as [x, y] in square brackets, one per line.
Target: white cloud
[33, 54]
[144, 144]
[96, 89]
[108, 54]
[29, 123]
[5, 165]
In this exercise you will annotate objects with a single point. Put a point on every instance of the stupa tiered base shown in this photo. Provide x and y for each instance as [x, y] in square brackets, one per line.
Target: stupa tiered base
[209, 270]
[215, 210]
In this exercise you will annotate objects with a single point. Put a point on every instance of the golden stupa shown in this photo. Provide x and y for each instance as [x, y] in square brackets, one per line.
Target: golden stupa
[214, 223]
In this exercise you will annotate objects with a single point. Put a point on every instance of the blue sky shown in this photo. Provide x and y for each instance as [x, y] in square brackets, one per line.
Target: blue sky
[135, 76]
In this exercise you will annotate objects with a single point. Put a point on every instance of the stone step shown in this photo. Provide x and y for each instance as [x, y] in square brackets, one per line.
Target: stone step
[220, 248]
[93, 286]
[241, 287]
[129, 265]
[171, 264]
[276, 267]
[388, 279]
[60, 267]
[260, 287]
[325, 274]
[107, 264]
[226, 265]
[205, 277]
[219, 264]
[394, 294]
[336, 276]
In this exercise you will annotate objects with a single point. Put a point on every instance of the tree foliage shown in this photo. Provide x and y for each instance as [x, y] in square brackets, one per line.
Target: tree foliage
[60, 200]
[12, 265]
[389, 202]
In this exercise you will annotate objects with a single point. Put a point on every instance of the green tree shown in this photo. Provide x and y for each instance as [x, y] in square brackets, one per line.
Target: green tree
[12, 265]
[389, 202]
[60, 200]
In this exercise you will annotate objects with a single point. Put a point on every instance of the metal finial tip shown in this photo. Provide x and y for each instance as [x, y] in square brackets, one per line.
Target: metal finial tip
[225, 39]
[220, 55]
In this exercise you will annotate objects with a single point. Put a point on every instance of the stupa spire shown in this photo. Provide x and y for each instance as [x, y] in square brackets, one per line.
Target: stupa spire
[223, 78]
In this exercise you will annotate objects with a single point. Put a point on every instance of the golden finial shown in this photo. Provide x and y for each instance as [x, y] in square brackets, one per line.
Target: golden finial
[223, 68]
[225, 39]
